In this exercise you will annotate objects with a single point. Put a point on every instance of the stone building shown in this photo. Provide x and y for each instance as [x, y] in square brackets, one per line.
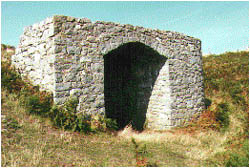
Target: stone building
[132, 74]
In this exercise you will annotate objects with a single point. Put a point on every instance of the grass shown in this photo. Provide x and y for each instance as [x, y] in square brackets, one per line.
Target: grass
[32, 140]
[36, 143]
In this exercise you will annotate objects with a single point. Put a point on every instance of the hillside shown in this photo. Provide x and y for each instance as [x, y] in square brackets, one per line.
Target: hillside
[220, 137]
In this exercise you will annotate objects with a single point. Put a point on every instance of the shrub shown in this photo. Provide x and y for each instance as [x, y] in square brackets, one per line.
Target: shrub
[206, 120]
[222, 114]
[66, 117]
[10, 79]
[207, 102]
[33, 104]
[110, 124]
[235, 93]
[83, 124]
[38, 103]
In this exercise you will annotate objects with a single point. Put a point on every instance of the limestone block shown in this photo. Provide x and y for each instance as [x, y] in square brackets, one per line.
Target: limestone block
[47, 33]
[62, 86]
[70, 19]
[60, 100]
[75, 92]
[71, 49]
[84, 20]
[91, 39]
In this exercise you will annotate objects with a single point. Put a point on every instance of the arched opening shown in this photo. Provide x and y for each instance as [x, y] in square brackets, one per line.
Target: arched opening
[130, 72]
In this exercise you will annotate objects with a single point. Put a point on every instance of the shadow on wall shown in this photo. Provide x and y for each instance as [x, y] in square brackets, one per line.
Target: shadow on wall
[130, 72]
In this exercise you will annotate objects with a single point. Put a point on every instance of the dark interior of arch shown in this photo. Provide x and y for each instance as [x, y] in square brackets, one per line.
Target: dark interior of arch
[130, 72]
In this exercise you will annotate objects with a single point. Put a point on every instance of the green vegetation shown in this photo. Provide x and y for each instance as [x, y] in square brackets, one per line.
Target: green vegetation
[36, 133]
[222, 115]
[227, 85]
[66, 117]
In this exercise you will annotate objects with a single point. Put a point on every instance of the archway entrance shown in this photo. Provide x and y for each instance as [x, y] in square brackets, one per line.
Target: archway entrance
[130, 72]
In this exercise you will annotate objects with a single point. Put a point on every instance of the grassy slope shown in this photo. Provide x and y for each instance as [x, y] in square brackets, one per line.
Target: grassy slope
[227, 81]
[29, 140]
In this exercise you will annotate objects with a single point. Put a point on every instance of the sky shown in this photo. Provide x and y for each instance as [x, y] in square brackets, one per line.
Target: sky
[221, 26]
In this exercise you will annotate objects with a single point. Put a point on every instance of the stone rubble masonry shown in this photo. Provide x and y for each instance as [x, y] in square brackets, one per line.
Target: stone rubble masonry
[64, 55]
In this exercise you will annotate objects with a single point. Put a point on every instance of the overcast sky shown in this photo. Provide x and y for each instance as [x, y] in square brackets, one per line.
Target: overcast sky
[221, 26]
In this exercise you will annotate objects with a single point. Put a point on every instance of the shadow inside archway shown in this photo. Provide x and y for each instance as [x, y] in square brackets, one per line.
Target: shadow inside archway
[130, 72]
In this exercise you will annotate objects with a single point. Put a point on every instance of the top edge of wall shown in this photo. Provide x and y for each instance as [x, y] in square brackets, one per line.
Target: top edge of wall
[63, 18]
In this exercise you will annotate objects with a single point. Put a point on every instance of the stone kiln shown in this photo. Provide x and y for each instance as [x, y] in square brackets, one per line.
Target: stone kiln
[129, 73]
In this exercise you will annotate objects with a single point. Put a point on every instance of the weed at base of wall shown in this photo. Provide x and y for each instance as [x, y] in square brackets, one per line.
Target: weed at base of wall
[66, 117]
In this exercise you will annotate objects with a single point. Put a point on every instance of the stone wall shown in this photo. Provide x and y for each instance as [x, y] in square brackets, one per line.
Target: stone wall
[35, 54]
[67, 56]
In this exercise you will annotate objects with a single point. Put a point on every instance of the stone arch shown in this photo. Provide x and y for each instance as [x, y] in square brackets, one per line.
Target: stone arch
[130, 73]
[114, 43]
